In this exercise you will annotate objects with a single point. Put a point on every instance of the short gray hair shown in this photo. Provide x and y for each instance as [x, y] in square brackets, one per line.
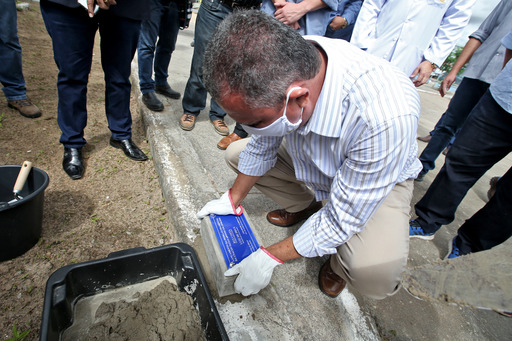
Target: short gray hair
[255, 55]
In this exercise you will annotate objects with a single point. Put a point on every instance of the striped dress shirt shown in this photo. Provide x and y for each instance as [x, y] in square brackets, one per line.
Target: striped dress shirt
[359, 142]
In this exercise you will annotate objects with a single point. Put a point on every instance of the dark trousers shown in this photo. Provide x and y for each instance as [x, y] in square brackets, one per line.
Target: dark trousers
[492, 225]
[465, 99]
[72, 33]
[163, 25]
[484, 140]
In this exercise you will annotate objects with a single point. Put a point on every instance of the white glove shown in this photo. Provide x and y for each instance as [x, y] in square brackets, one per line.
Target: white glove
[222, 206]
[254, 272]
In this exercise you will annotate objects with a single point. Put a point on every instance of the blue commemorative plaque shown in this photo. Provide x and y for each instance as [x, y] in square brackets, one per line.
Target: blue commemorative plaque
[235, 237]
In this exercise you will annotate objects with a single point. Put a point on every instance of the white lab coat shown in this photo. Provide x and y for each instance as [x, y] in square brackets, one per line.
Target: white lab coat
[406, 32]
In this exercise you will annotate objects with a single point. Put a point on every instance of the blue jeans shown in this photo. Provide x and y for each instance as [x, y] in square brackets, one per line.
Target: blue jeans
[466, 97]
[344, 33]
[11, 75]
[484, 140]
[163, 23]
[210, 14]
[72, 33]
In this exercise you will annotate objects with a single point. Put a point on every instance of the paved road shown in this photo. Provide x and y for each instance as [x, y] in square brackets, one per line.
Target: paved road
[192, 171]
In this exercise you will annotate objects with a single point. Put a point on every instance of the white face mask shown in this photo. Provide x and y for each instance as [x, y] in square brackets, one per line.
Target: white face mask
[280, 127]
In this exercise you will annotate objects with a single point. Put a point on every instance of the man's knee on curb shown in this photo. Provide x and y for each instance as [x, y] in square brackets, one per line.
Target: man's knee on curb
[377, 281]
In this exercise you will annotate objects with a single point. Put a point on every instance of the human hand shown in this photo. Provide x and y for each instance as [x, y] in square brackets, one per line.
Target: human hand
[338, 23]
[447, 83]
[103, 4]
[254, 272]
[422, 72]
[288, 12]
[222, 206]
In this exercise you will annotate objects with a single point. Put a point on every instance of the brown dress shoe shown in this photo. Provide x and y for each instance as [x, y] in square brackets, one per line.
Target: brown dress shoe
[226, 141]
[220, 127]
[284, 219]
[25, 108]
[187, 121]
[330, 283]
[425, 138]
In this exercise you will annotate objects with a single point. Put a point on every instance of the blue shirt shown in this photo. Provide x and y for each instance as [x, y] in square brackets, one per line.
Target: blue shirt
[359, 142]
[313, 23]
[501, 88]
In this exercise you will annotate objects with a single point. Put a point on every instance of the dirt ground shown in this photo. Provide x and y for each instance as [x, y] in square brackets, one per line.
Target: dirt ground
[117, 205]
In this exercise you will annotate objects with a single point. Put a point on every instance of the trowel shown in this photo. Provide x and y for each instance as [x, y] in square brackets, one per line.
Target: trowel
[20, 183]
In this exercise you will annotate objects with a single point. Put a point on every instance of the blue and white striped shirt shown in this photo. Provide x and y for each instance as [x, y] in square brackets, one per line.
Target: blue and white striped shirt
[359, 142]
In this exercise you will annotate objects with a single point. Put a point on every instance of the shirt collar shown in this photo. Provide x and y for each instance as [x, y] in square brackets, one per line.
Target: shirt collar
[326, 115]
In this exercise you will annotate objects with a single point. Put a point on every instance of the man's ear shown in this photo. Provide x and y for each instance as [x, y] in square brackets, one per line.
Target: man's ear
[301, 96]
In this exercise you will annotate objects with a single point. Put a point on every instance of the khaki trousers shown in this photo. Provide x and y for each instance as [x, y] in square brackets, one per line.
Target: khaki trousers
[373, 260]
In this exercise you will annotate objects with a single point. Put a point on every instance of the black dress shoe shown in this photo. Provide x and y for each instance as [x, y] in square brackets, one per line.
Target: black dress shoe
[153, 103]
[129, 148]
[72, 162]
[167, 91]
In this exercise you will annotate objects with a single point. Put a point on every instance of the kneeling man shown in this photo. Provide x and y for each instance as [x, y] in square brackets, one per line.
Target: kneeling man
[331, 123]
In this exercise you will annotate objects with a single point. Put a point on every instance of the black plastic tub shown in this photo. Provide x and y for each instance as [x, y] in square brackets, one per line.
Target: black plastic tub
[70, 283]
[20, 221]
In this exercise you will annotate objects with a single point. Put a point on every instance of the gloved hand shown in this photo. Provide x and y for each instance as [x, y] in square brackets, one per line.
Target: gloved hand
[254, 272]
[222, 206]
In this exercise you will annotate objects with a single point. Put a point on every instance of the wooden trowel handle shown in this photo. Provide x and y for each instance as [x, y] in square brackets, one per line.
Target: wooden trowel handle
[22, 176]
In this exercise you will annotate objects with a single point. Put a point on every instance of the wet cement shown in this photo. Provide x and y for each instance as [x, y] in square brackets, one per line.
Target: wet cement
[153, 310]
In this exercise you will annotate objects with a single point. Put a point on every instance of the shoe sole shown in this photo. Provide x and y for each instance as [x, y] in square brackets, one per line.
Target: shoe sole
[450, 248]
[178, 96]
[422, 237]
[187, 128]
[22, 114]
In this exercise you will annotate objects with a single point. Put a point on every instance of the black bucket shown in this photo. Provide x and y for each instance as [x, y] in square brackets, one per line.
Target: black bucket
[22, 220]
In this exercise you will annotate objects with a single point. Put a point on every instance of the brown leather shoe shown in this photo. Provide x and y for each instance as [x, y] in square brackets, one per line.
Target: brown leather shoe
[25, 108]
[220, 127]
[226, 141]
[284, 219]
[425, 138]
[330, 283]
[187, 121]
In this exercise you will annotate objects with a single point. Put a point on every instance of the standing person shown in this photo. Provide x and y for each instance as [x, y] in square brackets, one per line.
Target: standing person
[416, 36]
[210, 14]
[163, 24]
[485, 53]
[72, 29]
[11, 74]
[350, 122]
[483, 141]
[308, 17]
[342, 25]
